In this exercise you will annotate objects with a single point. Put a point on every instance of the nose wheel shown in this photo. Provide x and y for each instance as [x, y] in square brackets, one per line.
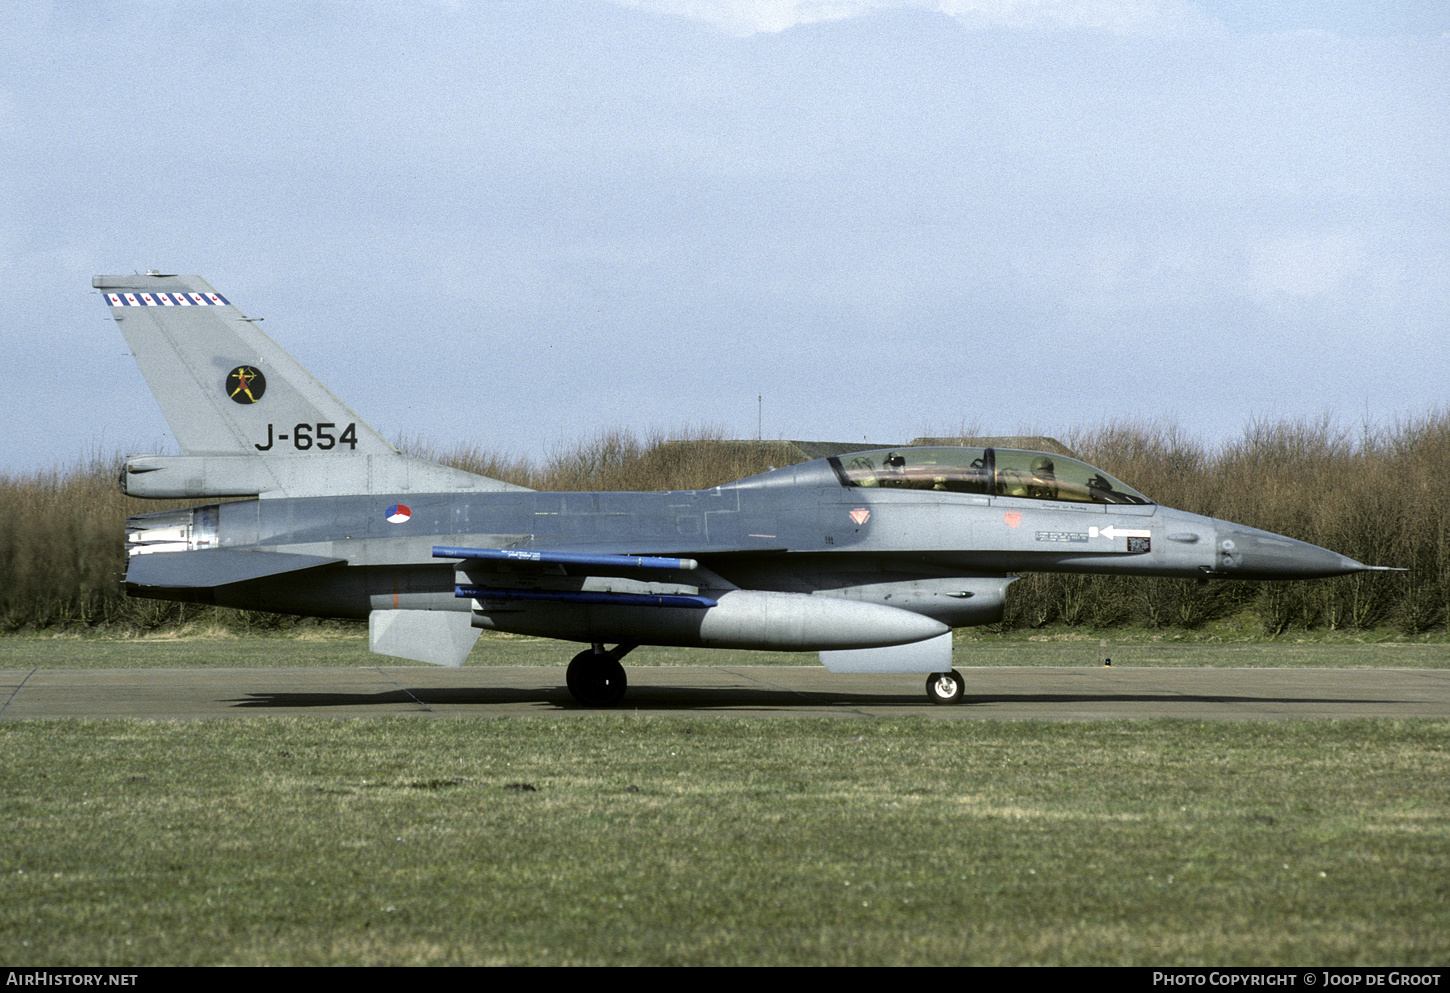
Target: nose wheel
[945, 687]
[595, 677]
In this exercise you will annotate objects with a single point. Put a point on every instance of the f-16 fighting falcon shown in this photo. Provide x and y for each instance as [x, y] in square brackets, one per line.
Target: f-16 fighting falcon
[870, 559]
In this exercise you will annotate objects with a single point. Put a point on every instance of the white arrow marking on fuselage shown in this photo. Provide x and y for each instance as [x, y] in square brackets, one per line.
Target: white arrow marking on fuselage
[1111, 532]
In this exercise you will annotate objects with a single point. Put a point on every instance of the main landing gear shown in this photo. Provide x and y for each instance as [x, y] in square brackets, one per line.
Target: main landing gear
[595, 677]
[945, 687]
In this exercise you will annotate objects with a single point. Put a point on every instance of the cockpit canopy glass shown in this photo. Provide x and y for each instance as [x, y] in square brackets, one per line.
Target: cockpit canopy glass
[986, 471]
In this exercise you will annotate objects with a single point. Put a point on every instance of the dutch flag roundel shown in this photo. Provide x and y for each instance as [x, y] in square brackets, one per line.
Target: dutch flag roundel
[398, 513]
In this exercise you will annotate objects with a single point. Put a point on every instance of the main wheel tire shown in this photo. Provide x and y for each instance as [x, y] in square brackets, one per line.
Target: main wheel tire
[596, 679]
[945, 687]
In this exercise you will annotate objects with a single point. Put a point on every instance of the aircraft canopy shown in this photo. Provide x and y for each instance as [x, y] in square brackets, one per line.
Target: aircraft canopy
[988, 471]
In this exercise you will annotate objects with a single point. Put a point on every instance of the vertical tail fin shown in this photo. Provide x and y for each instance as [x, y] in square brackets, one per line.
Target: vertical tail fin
[249, 418]
[224, 386]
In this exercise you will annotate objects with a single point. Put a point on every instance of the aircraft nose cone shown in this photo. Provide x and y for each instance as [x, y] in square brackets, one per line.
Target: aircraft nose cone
[1247, 553]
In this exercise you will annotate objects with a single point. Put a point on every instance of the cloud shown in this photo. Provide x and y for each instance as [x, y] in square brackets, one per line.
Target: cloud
[562, 201]
[1306, 265]
[1124, 17]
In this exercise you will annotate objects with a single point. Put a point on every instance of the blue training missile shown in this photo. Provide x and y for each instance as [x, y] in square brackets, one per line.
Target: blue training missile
[599, 598]
[565, 558]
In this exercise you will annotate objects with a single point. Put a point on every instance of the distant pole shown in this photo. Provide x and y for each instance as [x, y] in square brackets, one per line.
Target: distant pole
[759, 416]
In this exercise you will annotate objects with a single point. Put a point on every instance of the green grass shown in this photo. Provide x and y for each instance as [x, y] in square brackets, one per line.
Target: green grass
[624, 840]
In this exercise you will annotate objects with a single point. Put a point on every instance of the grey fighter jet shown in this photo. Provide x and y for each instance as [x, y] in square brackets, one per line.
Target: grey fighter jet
[869, 559]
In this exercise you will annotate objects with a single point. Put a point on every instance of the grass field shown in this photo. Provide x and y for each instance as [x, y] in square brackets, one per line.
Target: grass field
[621, 839]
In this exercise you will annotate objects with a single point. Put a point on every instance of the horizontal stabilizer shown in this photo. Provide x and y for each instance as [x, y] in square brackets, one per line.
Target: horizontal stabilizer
[214, 567]
[527, 556]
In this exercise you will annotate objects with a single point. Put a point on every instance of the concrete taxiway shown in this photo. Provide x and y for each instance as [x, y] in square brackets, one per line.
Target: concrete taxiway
[759, 691]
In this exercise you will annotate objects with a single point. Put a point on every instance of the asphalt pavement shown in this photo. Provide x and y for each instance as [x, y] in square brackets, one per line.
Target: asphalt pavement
[1078, 693]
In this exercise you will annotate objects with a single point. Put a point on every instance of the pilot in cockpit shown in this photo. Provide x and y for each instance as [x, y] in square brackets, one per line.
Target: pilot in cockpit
[1043, 484]
[894, 470]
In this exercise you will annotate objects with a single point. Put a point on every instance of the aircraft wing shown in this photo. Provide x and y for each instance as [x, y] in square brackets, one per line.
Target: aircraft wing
[503, 576]
[599, 587]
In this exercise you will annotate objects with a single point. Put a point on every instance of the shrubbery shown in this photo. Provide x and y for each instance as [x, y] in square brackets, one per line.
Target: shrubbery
[1380, 497]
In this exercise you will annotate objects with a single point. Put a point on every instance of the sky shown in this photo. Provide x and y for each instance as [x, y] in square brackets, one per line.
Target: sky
[514, 225]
